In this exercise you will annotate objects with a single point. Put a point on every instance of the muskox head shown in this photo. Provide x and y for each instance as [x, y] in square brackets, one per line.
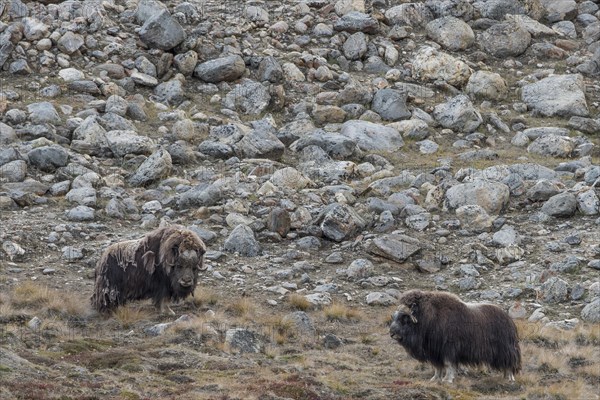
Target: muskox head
[404, 324]
[181, 256]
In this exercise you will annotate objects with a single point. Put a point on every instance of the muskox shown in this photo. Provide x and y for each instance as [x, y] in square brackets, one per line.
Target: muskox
[437, 327]
[162, 265]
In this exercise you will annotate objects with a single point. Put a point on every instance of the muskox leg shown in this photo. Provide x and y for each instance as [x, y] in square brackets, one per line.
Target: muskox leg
[509, 375]
[163, 307]
[450, 373]
[437, 376]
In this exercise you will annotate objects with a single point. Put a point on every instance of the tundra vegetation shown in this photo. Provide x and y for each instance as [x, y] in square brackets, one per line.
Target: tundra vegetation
[331, 155]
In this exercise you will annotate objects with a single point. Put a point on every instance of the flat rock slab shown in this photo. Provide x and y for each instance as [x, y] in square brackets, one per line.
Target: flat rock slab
[560, 95]
[393, 247]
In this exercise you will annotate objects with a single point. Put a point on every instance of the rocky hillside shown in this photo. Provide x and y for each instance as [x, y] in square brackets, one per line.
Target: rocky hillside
[331, 154]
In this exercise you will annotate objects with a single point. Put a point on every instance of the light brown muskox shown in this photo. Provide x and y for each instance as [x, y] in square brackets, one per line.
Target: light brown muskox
[437, 327]
[162, 265]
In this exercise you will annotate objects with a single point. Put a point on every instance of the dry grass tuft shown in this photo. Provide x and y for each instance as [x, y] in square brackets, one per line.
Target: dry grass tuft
[242, 307]
[279, 329]
[31, 295]
[205, 297]
[129, 315]
[576, 389]
[340, 312]
[299, 302]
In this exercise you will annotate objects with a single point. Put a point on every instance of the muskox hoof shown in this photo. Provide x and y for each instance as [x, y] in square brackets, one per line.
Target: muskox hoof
[437, 376]
[164, 309]
[510, 377]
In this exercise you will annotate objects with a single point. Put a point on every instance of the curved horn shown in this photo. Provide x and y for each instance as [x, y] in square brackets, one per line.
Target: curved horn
[403, 308]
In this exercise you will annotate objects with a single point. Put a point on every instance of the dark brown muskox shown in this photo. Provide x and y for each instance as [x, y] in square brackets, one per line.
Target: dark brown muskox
[162, 265]
[438, 328]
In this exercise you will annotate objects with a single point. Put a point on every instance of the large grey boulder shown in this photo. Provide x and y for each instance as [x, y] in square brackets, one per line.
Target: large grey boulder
[340, 222]
[370, 136]
[13, 171]
[561, 205]
[146, 9]
[553, 146]
[317, 165]
[205, 194]
[335, 145]
[475, 218]
[394, 247]
[154, 168]
[486, 85]
[248, 97]
[498, 9]
[458, 114]
[70, 42]
[355, 46]
[506, 39]
[356, 21]
[559, 10]
[554, 290]
[409, 14]
[491, 196]
[170, 92]
[260, 143]
[452, 33]
[430, 64]
[34, 29]
[162, 31]
[390, 104]
[270, 70]
[454, 8]
[591, 312]
[243, 340]
[221, 69]
[48, 158]
[380, 299]
[122, 143]
[301, 322]
[241, 240]
[542, 190]
[85, 196]
[80, 214]
[7, 134]
[90, 138]
[558, 95]
[588, 202]
[43, 113]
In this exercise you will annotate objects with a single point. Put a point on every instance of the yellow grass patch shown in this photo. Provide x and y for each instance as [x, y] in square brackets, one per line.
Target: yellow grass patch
[299, 302]
[205, 297]
[32, 295]
[129, 315]
[340, 312]
[242, 307]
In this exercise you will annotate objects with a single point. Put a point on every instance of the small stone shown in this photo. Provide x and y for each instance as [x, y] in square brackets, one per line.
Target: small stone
[158, 329]
[331, 342]
[517, 311]
[34, 324]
